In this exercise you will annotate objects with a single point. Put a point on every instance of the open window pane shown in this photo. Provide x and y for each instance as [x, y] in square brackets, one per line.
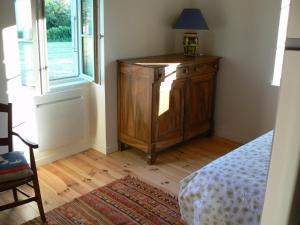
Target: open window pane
[87, 38]
[61, 63]
[87, 17]
[25, 42]
[21, 89]
[88, 56]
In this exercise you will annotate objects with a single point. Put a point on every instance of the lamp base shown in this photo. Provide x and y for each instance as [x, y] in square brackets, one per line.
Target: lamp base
[190, 44]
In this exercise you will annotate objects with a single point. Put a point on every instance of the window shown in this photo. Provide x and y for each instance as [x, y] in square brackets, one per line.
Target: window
[87, 39]
[25, 42]
[63, 45]
[61, 50]
[282, 31]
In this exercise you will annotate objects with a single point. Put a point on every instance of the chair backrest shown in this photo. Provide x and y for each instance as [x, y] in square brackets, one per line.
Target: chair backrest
[7, 141]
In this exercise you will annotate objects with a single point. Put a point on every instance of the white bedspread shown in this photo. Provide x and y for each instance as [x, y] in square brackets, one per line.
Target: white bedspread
[231, 189]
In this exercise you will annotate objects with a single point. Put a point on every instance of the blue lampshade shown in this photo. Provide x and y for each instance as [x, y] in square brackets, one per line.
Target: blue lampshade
[191, 19]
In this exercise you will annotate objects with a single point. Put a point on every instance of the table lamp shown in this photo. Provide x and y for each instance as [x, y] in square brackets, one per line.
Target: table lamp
[191, 19]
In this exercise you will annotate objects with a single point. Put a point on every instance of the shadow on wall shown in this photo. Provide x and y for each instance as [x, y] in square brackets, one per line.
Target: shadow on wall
[295, 216]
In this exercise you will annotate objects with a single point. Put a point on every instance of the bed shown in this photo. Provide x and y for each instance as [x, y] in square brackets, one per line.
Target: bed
[231, 189]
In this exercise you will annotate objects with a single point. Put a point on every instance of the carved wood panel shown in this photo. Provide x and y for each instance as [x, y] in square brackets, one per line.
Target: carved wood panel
[199, 104]
[169, 112]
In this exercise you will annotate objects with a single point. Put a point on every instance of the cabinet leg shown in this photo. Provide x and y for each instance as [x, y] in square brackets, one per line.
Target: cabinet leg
[121, 146]
[210, 133]
[151, 158]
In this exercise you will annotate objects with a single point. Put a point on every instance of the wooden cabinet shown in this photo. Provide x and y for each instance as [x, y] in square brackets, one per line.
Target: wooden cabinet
[165, 100]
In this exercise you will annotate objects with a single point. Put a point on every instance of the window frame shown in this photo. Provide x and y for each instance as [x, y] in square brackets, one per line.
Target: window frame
[80, 36]
[39, 32]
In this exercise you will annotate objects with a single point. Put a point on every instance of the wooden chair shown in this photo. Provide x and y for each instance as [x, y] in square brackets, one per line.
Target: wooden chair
[15, 171]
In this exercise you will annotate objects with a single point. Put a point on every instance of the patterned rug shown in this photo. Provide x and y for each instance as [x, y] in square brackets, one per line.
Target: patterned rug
[127, 201]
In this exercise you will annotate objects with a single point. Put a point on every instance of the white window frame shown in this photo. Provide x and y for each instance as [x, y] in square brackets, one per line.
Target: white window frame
[80, 42]
[40, 47]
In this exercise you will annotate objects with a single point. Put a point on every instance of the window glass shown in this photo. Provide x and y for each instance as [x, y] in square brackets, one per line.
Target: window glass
[87, 17]
[25, 42]
[60, 49]
[87, 29]
[88, 56]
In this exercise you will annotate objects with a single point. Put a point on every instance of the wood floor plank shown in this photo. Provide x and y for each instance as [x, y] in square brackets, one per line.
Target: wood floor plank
[66, 179]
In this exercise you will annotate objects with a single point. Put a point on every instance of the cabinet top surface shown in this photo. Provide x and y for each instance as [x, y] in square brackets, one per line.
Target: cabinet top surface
[165, 60]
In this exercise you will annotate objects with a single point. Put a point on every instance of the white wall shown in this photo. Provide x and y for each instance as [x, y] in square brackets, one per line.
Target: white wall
[282, 201]
[63, 123]
[98, 119]
[294, 32]
[133, 28]
[7, 21]
[285, 158]
[294, 217]
[244, 34]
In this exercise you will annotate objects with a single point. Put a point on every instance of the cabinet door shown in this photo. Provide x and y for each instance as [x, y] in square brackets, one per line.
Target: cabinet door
[199, 105]
[169, 112]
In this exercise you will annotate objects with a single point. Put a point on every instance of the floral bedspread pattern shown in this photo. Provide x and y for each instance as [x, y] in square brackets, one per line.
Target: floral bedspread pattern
[231, 189]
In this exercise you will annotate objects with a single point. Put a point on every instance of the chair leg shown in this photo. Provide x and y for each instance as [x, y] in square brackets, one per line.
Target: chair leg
[39, 199]
[15, 193]
[41, 209]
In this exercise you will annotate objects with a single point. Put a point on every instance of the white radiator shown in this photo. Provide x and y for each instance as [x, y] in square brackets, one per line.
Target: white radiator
[60, 119]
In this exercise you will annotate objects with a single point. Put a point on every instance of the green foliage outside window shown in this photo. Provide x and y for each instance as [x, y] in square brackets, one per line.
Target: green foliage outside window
[58, 17]
[59, 34]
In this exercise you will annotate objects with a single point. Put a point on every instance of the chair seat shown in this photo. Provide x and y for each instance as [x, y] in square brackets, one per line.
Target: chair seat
[13, 166]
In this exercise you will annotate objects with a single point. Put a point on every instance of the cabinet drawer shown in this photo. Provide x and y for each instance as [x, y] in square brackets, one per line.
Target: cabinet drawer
[204, 68]
[181, 72]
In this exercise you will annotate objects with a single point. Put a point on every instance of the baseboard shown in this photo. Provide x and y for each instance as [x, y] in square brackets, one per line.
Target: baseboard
[99, 148]
[112, 148]
[232, 137]
[49, 156]
[105, 149]
[227, 141]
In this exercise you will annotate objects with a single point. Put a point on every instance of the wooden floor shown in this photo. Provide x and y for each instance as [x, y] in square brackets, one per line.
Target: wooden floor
[74, 176]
